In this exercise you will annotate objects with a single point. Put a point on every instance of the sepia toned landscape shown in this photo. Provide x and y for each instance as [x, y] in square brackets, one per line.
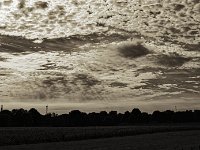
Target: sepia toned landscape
[94, 56]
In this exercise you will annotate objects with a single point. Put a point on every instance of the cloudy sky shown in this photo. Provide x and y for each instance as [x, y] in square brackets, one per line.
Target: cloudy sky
[99, 55]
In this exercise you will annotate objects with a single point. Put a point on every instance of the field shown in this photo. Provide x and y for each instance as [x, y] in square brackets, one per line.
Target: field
[18, 136]
[179, 140]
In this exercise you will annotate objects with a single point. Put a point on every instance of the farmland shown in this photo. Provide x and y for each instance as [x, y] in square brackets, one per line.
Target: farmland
[22, 135]
[179, 140]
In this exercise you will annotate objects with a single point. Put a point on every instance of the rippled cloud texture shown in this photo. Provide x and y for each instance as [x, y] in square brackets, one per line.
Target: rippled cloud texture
[103, 54]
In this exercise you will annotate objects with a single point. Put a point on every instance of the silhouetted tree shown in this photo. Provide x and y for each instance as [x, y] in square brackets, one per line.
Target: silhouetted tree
[34, 117]
[5, 118]
[136, 116]
[21, 117]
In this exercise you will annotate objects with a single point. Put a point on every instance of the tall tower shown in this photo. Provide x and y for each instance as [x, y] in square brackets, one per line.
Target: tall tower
[1, 108]
[46, 109]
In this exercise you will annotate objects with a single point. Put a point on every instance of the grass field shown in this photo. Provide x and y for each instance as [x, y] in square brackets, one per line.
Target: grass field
[18, 136]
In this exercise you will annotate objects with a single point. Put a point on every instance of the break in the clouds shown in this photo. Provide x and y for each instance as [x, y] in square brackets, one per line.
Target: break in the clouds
[105, 52]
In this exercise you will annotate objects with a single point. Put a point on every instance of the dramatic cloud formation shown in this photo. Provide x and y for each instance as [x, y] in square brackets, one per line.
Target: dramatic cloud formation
[99, 53]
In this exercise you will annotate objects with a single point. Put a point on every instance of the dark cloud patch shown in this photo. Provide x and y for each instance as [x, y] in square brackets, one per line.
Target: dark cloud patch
[172, 60]
[41, 95]
[133, 50]
[7, 3]
[41, 5]
[86, 80]
[174, 30]
[21, 4]
[185, 80]
[178, 7]
[20, 45]
[48, 66]
[53, 66]
[191, 47]
[4, 72]
[17, 45]
[51, 81]
[2, 58]
[118, 84]
[53, 87]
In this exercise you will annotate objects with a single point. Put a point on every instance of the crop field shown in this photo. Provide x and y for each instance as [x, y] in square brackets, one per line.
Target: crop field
[21, 135]
[178, 140]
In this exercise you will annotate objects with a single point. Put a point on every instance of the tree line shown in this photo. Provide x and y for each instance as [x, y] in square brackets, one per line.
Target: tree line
[32, 118]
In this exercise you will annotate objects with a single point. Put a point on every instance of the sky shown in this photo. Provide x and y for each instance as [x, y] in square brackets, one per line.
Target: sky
[99, 55]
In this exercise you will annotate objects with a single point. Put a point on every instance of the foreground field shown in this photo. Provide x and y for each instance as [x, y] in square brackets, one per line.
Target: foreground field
[180, 140]
[18, 136]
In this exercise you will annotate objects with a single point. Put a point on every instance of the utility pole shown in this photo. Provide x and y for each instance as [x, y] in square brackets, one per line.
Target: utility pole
[1, 108]
[46, 109]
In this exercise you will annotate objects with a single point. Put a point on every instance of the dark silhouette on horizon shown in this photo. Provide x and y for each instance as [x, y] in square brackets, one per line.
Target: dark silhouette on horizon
[32, 118]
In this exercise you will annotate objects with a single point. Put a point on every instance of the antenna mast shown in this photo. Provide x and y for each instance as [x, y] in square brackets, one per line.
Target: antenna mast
[46, 109]
[1, 108]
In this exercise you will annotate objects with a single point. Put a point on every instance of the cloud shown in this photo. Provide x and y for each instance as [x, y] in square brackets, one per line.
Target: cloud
[133, 50]
[172, 60]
